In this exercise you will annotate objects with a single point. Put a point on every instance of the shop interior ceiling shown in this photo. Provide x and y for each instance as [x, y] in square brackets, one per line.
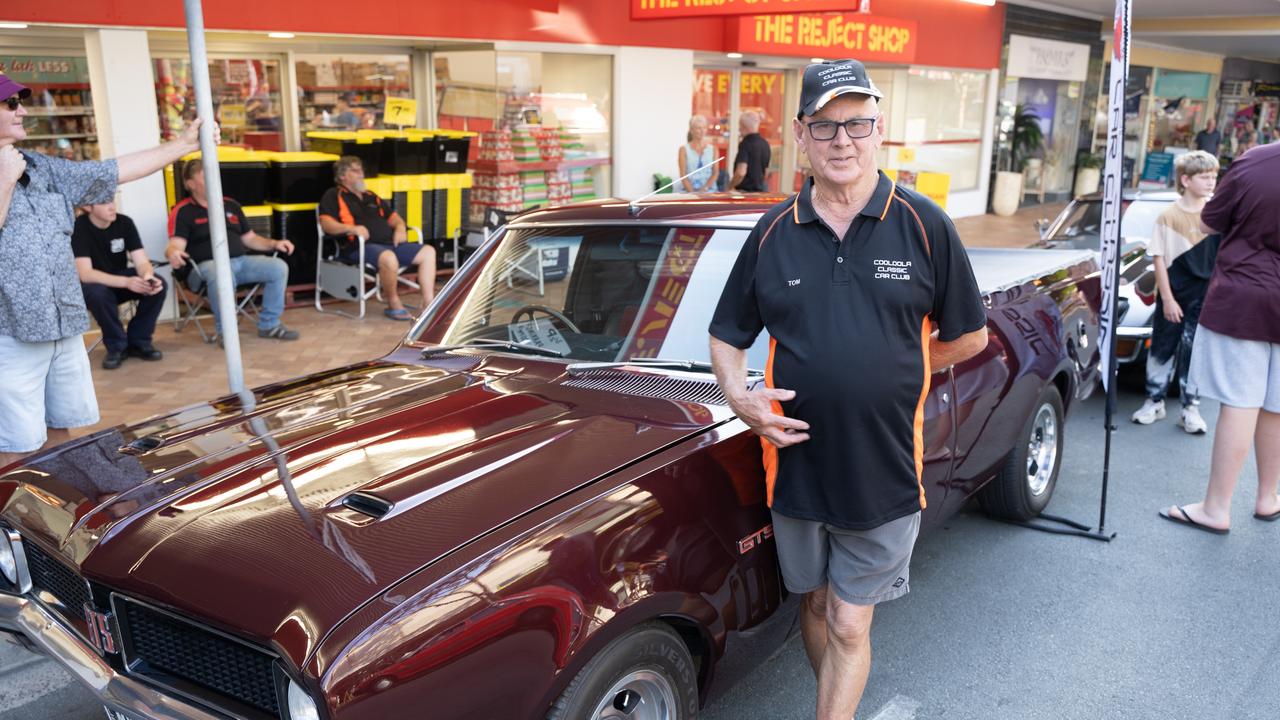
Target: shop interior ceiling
[1234, 30]
[225, 41]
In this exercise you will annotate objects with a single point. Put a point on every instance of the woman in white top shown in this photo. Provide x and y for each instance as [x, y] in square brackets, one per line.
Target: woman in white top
[699, 157]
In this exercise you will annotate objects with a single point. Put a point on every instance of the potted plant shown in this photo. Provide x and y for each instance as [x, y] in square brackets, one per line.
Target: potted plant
[1088, 174]
[1026, 139]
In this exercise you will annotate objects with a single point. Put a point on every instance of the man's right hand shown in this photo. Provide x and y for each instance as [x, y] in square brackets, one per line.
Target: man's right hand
[177, 258]
[360, 231]
[756, 410]
[12, 165]
[139, 285]
[1172, 311]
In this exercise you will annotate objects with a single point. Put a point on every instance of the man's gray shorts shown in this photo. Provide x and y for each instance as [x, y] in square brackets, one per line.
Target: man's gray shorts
[1235, 372]
[863, 567]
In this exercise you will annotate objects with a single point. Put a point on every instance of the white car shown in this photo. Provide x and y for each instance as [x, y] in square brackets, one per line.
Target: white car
[1078, 225]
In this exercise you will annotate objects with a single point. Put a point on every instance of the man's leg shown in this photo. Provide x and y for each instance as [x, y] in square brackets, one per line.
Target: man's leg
[101, 301]
[25, 370]
[388, 271]
[813, 627]
[273, 273]
[1231, 440]
[1162, 361]
[208, 280]
[846, 661]
[1266, 442]
[143, 325]
[425, 261]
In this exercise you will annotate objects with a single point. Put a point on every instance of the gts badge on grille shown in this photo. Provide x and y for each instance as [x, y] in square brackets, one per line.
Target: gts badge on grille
[101, 630]
[755, 539]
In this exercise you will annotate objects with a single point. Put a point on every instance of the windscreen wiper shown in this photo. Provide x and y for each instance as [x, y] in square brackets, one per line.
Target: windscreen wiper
[487, 344]
[663, 363]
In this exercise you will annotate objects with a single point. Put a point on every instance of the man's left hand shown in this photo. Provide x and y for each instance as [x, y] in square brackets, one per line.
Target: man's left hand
[399, 236]
[284, 246]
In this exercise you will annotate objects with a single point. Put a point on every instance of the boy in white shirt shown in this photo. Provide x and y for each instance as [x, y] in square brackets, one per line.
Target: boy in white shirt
[1173, 328]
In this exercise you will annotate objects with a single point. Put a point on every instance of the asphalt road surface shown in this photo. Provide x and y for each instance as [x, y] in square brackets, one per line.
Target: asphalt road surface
[1008, 623]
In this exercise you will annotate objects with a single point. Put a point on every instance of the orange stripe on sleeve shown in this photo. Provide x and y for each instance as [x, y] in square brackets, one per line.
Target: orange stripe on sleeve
[770, 452]
[917, 429]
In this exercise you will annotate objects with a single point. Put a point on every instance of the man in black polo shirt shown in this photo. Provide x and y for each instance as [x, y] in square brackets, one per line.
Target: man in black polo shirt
[104, 242]
[848, 277]
[753, 156]
[350, 210]
[190, 244]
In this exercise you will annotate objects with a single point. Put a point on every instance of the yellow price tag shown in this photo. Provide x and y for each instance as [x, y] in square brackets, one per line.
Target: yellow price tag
[232, 115]
[906, 154]
[400, 111]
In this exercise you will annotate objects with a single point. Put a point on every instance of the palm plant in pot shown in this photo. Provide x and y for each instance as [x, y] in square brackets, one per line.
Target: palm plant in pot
[1026, 139]
[1088, 174]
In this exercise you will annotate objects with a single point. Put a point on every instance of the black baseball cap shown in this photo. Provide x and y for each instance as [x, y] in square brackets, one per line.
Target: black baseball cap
[825, 80]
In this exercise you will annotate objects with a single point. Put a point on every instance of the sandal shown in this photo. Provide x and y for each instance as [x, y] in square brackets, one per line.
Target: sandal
[398, 314]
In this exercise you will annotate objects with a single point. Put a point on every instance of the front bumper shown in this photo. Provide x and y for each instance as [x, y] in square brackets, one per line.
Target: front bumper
[20, 615]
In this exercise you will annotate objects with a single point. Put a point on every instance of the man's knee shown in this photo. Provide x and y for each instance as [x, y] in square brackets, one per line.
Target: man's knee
[849, 624]
[387, 260]
[426, 257]
[97, 293]
[816, 602]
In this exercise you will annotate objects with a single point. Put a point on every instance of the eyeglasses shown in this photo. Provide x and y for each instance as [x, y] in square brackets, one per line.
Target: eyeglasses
[855, 128]
[13, 102]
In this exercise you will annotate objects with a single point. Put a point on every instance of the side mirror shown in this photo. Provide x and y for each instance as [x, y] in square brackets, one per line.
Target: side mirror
[1042, 227]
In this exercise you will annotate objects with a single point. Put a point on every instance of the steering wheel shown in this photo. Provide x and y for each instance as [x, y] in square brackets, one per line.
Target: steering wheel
[556, 314]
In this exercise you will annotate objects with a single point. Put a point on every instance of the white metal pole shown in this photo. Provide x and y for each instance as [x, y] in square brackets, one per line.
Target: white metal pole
[228, 327]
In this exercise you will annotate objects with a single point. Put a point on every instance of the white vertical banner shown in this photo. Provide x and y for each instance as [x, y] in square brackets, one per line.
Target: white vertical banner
[1112, 187]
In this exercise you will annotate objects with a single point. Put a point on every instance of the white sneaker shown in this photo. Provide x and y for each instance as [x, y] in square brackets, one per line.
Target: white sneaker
[1151, 411]
[1191, 421]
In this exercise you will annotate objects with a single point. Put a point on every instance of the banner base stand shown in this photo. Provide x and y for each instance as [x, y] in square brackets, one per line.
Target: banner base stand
[1071, 527]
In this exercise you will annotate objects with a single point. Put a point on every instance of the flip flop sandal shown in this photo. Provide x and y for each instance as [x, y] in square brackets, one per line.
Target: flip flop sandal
[398, 314]
[1269, 518]
[1188, 522]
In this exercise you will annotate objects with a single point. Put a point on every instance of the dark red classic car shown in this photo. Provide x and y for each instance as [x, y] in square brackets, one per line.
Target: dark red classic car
[537, 506]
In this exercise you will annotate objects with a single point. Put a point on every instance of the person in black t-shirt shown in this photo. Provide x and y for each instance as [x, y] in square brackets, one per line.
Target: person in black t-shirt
[752, 162]
[350, 211]
[190, 245]
[104, 242]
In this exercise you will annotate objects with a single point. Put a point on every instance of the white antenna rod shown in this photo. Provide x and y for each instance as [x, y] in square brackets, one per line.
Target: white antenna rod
[633, 209]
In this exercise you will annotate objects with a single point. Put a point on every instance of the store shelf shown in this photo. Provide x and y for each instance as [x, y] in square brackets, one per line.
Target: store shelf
[351, 88]
[67, 136]
[507, 167]
[55, 111]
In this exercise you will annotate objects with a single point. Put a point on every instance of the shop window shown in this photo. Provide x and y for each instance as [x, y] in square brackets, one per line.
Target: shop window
[759, 91]
[940, 130]
[246, 99]
[544, 121]
[348, 92]
[60, 118]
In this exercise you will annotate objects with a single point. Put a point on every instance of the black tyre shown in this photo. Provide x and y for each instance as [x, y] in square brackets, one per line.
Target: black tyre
[647, 674]
[1025, 483]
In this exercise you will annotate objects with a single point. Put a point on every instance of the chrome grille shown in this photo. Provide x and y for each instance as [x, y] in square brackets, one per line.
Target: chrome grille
[654, 386]
[48, 574]
[189, 658]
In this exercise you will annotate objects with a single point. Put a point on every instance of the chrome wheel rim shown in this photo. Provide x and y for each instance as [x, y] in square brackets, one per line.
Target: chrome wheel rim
[1042, 450]
[640, 695]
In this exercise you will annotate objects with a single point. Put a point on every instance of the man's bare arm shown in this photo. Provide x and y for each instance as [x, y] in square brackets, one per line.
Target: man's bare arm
[739, 173]
[144, 162]
[945, 354]
[754, 407]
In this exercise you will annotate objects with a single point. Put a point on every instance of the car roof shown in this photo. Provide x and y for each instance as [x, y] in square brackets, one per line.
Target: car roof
[665, 208]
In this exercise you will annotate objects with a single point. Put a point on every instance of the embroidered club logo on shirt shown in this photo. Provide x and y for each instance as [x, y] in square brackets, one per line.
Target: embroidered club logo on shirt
[893, 269]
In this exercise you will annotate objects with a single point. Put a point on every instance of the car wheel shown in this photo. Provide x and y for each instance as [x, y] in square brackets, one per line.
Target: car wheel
[647, 674]
[1026, 480]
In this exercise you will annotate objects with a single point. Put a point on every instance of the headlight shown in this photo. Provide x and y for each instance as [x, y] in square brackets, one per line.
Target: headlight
[8, 563]
[301, 706]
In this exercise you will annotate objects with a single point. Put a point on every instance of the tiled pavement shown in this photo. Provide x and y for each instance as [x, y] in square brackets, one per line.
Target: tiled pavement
[192, 371]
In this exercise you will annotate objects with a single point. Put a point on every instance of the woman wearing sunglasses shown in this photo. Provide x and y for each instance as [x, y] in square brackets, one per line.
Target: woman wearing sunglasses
[47, 388]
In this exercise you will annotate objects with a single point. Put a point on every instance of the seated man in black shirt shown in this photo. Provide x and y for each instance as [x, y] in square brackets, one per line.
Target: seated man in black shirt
[104, 242]
[190, 244]
[350, 210]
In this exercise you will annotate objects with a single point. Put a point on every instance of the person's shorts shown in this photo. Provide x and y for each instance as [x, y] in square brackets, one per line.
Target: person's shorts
[405, 253]
[863, 567]
[45, 385]
[1235, 372]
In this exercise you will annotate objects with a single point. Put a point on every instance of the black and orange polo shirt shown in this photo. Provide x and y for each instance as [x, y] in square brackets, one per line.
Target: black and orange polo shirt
[850, 321]
[369, 210]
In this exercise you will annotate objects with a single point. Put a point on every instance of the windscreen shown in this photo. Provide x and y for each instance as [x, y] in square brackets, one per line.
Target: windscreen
[604, 293]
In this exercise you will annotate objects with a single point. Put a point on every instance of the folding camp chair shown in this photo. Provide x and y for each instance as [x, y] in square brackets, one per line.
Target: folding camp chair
[351, 281]
[189, 304]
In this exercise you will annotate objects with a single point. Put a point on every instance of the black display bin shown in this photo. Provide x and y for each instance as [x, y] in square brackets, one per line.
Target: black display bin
[364, 145]
[297, 224]
[301, 177]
